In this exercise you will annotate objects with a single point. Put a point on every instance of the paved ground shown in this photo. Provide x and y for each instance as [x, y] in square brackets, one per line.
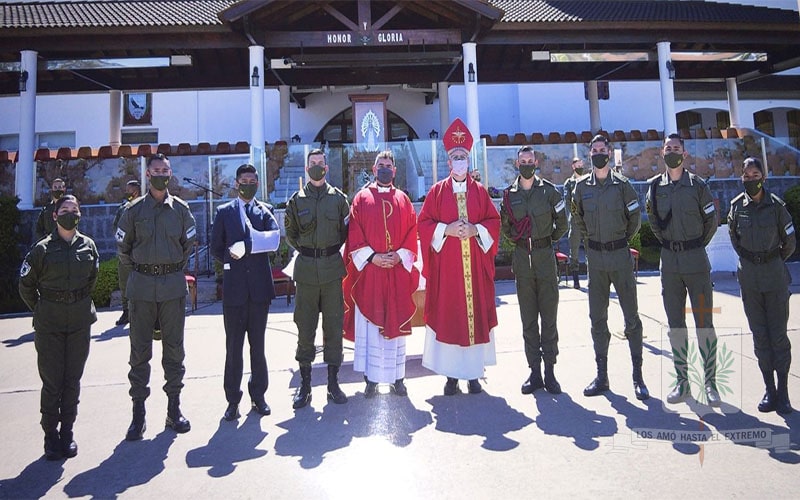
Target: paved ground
[499, 444]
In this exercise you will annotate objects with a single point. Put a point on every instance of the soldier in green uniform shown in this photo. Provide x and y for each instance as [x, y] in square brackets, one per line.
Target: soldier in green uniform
[44, 223]
[133, 189]
[56, 282]
[533, 216]
[154, 238]
[606, 209]
[763, 235]
[683, 218]
[575, 236]
[316, 226]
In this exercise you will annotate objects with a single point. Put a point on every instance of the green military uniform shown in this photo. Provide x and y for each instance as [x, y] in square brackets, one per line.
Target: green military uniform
[607, 213]
[56, 282]
[45, 223]
[683, 219]
[316, 226]
[122, 271]
[575, 237]
[763, 235]
[534, 262]
[154, 240]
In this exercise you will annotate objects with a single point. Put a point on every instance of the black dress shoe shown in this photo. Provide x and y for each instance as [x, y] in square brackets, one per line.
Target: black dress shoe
[474, 386]
[399, 388]
[533, 384]
[260, 407]
[231, 412]
[52, 446]
[123, 320]
[769, 402]
[68, 446]
[370, 390]
[451, 386]
[598, 386]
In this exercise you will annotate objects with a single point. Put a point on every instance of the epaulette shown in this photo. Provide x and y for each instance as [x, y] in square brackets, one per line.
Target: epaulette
[619, 176]
[545, 181]
[777, 198]
[181, 201]
[737, 197]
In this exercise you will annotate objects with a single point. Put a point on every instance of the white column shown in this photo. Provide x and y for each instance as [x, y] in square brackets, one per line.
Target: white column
[444, 106]
[114, 118]
[25, 177]
[286, 130]
[471, 90]
[667, 90]
[257, 156]
[733, 102]
[594, 106]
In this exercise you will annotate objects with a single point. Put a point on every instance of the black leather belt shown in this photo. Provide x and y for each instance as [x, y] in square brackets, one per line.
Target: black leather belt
[158, 269]
[680, 246]
[540, 243]
[319, 252]
[608, 246]
[65, 296]
[760, 257]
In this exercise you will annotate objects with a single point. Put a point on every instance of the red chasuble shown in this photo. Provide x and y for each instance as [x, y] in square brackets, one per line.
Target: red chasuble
[382, 221]
[459, 298]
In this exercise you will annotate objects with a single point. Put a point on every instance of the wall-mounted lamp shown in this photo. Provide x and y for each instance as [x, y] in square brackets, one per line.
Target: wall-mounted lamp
[471, 73]
[670, 69]
[254, 77]
[434, 134]
[296, 138]
[23, 81]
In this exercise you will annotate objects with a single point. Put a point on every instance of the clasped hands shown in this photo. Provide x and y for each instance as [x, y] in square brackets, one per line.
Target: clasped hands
[386, 260]
[461, 229]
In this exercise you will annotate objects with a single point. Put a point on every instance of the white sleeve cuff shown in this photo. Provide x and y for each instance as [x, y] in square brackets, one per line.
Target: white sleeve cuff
[360, 257]
[438, 237]
[485, 239]
[407, 258]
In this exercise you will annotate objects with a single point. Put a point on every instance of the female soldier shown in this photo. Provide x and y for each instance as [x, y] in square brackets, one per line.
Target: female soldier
[762, 234]
[56, 282]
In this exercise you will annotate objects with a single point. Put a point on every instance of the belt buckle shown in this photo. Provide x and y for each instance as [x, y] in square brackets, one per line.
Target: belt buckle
[758, 259]
[676, 246]
[156, 269]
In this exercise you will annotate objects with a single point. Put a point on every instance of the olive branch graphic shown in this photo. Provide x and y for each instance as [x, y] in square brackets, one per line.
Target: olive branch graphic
[697, 371]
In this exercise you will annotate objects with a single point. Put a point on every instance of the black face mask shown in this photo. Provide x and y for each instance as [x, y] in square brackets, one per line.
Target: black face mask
[316, 172]
[600, 160]
[159, 182]
[57, 193]
[248, 191]
[673, 160]
[579, 170]
[384, 176]
[526, 170]
[69, 220]
[752, 188]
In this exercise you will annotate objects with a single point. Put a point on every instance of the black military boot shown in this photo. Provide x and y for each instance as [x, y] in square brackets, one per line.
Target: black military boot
[638, 381]
[551, 385]
[175, 420]
[600, 384]
[576, 284]
[303, 395]
[783, 406]
[534, 382]
[335, 394]
[137, 427]
[770, 400]
[52, 445]
[710, 367]
[124, 319]
[68, 445]
[681, 392]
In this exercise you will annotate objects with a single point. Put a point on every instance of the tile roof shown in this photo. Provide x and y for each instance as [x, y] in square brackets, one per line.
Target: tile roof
[111, 13]
[556, 11]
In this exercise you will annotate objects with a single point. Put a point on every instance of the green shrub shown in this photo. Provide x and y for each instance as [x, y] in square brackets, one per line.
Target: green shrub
[10, 256]
[505, 251]
[107, 282]
[792, 199]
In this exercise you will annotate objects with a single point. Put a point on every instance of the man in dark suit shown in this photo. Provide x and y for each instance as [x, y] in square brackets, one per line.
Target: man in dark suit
[244, 231]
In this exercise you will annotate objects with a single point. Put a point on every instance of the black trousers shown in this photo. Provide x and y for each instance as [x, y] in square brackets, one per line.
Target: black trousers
[61, 358]
[251, 320]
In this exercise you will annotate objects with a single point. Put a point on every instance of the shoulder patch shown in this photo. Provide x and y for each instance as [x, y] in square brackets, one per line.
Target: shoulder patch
[559, 206]
[788, 229]
[120, 235]
[708, 208]
[25, 269]
[191, 233]
[633, 205]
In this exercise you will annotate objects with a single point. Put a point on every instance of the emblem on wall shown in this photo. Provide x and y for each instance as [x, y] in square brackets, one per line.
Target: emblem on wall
[137, 109]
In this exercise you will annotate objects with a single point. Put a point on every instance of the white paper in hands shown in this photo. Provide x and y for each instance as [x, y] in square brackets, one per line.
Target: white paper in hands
[237, 250]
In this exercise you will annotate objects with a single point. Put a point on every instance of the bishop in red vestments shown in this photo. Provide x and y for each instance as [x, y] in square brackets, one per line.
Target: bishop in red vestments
[381, 250]
[459, 228]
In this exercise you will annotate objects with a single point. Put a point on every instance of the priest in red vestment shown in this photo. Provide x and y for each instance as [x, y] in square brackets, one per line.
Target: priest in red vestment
[459, 228]
[381, 278]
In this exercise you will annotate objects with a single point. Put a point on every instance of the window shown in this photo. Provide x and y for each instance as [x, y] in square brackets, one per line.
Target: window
[689, 120]
[723, 120]
[134, 137]
[764, 122]
[793, 122]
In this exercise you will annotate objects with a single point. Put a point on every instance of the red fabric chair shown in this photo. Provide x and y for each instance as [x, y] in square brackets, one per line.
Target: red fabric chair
[191, 284]
[563, 266]
[284, 285]
[635, 255]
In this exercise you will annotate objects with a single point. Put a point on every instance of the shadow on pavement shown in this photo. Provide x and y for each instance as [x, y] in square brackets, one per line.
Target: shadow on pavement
[561, 416]
[131, 464]
[312, 434]
[34, 481]
[22, 339]
[112, 333]
[654, 417]
[230, 444]
[479, 415]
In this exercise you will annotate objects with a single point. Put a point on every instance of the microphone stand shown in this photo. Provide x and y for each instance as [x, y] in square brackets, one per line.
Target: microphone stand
[207, 192]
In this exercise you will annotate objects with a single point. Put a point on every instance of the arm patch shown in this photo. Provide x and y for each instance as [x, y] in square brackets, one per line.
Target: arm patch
[120, 235]
[708, 208]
